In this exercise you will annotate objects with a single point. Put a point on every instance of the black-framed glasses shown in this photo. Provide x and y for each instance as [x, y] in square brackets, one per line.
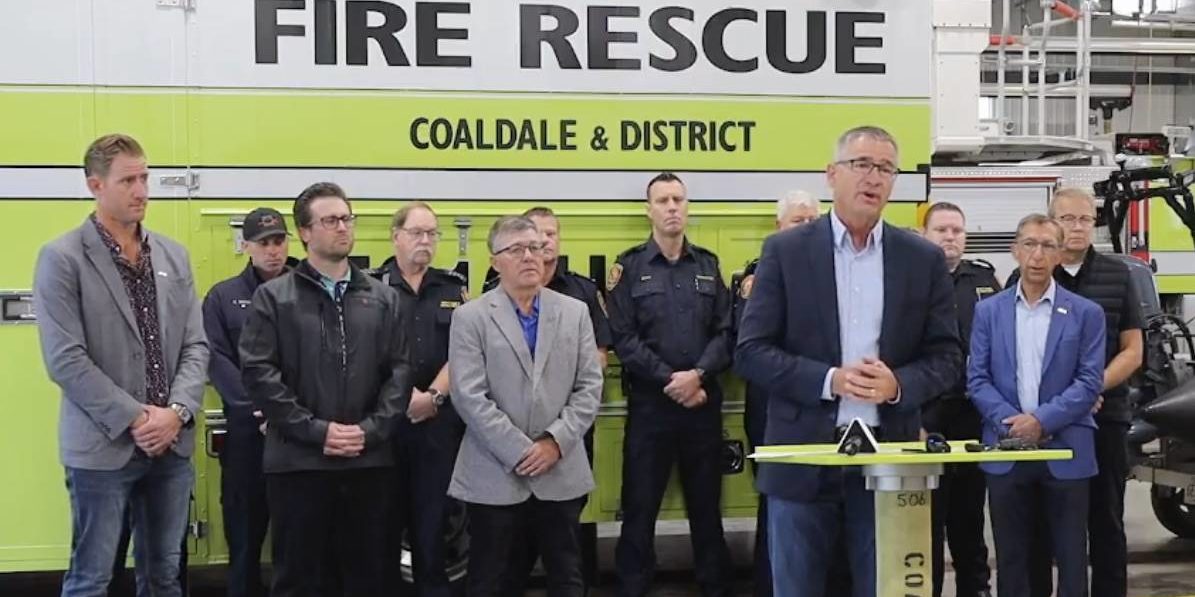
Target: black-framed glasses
[331, 222]
[518, 250]
[864, 166]
[418, 233]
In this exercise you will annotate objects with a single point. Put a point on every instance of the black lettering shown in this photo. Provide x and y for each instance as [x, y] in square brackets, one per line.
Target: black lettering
[915, 559]
[545, 139]
[267, 30]
[427, 26]
[481, 142]
[463, 138]
[630, 130]
[697, 136]
[441, 133]
[685, 53]
[416, 140]
[914, 580]
[527, 136]
[724, 138]
[358, 32]
[747, 126]
[659, 135]
[532, 35]
[600, 37]
[325, 31]
[507, 134]
[677, 127]
[713, 40]
[568, 136]
[815, 42]
[845, 43]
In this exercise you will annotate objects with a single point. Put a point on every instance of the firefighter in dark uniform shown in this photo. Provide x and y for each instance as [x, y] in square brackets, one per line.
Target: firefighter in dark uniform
[242, 482]
[429, 436]
[574, 285]
[795, 209]
[958, 501]
[670, 314]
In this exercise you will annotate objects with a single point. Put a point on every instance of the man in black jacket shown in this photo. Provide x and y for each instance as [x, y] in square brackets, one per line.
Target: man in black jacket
[242, 483]
[325, 358]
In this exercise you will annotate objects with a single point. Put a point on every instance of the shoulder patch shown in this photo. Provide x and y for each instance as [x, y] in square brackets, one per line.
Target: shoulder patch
[601, 300]
[745, 287]
[614, 276]
[464, 293]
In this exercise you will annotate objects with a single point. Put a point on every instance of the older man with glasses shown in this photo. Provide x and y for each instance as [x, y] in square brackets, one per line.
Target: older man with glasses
[1106, 281]
[527, 382]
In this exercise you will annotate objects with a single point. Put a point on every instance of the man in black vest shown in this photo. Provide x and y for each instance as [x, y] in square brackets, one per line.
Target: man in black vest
[1106, 281]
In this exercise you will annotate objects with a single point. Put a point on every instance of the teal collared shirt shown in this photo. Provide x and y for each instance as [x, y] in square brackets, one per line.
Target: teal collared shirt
[330, 284]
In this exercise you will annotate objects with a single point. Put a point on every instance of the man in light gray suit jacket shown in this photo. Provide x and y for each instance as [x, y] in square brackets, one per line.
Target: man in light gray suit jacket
[122, 334]
[527, 383]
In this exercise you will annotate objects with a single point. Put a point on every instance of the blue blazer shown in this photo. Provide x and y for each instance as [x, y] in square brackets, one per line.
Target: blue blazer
[789, 339]
[1072, 376]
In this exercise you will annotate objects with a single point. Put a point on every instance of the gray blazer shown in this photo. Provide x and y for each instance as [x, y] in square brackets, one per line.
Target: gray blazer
[93, 351]
[507, 400]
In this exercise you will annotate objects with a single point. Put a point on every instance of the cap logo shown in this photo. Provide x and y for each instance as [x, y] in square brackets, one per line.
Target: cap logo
[269, 220]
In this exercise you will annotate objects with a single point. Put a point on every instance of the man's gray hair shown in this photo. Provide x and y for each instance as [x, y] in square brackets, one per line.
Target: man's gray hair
[506, 226]
[1073, 193]
[864, 132]
[1036, 219]
[794, 199]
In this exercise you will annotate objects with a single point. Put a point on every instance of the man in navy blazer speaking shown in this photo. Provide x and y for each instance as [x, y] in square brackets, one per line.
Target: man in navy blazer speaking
[1036, 369]
[849, 318]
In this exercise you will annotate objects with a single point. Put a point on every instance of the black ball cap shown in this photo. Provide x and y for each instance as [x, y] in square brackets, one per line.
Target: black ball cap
[263, 223]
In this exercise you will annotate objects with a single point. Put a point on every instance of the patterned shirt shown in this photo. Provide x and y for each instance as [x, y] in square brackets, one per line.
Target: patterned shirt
[139, 283]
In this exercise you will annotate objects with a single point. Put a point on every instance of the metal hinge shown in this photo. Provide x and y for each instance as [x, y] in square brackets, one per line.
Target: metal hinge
[183, 4]
[188, 179]
[198, 529]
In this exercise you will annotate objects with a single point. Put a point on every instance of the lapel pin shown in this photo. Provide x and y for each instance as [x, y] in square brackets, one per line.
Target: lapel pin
[1062, 310]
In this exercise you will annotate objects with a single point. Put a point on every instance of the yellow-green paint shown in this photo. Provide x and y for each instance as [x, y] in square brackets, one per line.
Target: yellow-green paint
[200, 128]
[903, 543]
[894, 453]
[1175, 284]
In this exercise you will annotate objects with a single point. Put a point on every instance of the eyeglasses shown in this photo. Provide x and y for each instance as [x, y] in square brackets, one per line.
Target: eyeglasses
[1031, 246]
[1071, 220]
[331, 222]
[418, 233]
[864, 166]
[519, 250]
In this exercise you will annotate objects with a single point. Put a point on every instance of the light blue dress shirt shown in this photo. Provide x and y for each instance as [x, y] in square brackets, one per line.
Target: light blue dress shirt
[1033, 326]
[859, 277]
[330, 284]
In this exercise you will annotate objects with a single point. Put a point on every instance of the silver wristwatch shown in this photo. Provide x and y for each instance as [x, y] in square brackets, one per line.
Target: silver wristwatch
[184, 413]
[438, 399]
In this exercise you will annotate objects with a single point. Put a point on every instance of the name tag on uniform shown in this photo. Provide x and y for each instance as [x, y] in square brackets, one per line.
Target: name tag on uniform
[645, 278]
[706, 278]
[449, 304]
[242, 303]
[983, 291]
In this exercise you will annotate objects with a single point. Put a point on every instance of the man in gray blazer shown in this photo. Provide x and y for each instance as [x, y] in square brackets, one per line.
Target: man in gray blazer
[122, 335]
[527, 383]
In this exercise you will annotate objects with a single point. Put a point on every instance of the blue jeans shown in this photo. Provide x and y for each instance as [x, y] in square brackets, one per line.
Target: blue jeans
[803, 540]
[157, 491]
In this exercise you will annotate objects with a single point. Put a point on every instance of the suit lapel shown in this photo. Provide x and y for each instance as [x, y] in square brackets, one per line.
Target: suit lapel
[503, 314]
[101, 259]
[894, 289]
[1006, 323]
[162, 280]
[821, 262]
[549, 313]
[1059, 318]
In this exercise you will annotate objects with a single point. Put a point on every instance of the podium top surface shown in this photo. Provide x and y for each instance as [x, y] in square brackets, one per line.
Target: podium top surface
[893, 453]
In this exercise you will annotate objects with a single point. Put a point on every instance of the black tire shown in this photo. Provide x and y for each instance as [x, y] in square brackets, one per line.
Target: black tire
[1177, 517]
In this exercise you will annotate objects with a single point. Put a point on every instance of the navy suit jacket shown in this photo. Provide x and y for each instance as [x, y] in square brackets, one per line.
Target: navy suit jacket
[789, 339]
[1072, 376]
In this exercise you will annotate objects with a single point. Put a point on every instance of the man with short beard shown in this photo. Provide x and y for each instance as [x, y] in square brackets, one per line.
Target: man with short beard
[323, 361]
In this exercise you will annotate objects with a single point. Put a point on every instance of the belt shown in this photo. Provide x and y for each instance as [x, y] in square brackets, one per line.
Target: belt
[841, 431]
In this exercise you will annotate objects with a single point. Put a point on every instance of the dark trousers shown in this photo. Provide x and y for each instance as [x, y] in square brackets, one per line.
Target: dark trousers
[522, 562]
[755, 421]
[1108, 550]
[330, 528]
[649, 453]
[426, 455]
[958, 517]
[1020, 501]
[246, 512]
[497, 533]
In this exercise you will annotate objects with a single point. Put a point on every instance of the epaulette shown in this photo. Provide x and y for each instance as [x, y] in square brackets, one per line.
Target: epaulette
[981, 263]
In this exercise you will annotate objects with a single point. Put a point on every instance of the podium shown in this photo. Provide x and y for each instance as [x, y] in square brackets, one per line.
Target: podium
[902, 481]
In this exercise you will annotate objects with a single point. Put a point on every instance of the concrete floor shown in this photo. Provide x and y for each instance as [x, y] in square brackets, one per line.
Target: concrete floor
[1162, 565]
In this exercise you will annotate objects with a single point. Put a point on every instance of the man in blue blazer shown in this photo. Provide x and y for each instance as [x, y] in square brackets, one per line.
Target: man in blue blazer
[848, 318]
[1036, 369]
